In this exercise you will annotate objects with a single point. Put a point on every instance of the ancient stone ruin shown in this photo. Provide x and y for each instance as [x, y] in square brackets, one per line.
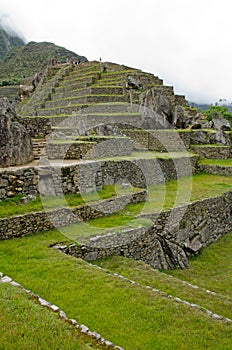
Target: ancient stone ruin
[97, 124]
[15, 141]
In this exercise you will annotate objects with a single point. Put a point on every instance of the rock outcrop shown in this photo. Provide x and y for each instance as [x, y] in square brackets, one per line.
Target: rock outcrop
[15, 142]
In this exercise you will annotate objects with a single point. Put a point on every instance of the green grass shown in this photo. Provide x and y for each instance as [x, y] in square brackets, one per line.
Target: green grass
[185, 190]
[219, 162]
[210, 146]
[25, 324]
[115, 223]
[153, 155]
[212, 269]
[70, 142]
[118, 72]
[130, 316]
[12, 206]
[145, 275]
[161, 197]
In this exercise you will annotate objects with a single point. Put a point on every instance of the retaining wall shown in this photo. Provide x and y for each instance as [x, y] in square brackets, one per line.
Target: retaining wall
[87, 176]
[212, 152]
[40, 221]
[174, 236]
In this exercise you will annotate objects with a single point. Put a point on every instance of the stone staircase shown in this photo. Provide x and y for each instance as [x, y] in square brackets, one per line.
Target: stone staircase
[39, 149]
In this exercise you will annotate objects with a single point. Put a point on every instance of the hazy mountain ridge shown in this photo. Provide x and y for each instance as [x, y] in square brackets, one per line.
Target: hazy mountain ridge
[8, 41]
[205, 106]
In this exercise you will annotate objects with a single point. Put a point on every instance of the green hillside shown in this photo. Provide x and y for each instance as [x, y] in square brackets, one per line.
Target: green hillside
[26, 60]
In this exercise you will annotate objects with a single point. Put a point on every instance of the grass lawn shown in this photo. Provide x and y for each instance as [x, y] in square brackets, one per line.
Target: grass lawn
[141, 273]
[26, 325]
[212, 269]
[129, 315]
[219, 162]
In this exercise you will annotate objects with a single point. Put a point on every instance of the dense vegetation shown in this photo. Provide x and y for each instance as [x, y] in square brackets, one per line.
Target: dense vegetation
[26, 60]
[218, 111]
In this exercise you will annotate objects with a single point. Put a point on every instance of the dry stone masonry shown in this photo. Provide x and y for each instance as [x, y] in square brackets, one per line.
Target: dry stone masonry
[15, 142]
[96, 124]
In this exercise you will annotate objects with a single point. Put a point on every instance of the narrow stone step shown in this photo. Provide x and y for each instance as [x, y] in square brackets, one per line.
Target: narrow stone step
[88, 91]
[39, 148]
[88, 98]
[66, 112]
[82, 75]
[74, 85]
[83, 79]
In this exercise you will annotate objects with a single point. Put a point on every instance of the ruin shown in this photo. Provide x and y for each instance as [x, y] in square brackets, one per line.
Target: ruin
[95, 124]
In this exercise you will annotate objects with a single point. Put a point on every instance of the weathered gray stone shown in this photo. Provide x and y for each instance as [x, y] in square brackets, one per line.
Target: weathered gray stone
[221, 123]
[15, 142]
[6, 279]
[28, 199]
[220, 137]
[199, 137]
[133, 83]
[179, 120]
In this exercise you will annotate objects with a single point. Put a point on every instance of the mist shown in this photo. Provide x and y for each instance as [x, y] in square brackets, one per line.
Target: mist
[9, 26]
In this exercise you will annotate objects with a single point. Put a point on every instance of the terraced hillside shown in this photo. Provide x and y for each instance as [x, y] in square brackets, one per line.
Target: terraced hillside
[74, 102]
[114, 179]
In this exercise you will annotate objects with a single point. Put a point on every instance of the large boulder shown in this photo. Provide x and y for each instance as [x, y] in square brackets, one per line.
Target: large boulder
[221, 123]
[220, 137]
[179, 120]
[163, 106]
[15, 142]
[156, 111]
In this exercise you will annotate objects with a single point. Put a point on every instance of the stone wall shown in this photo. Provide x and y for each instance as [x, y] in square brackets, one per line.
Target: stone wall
[174, 236]
[100, 148]
[212, 152]
[215, 169]
[41, 221]
[88, 176]
[160, 140]
[11, 92]
[75, 150]
[37, 126]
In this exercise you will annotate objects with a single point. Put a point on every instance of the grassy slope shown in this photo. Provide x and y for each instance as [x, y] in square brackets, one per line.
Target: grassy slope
[212, 269]
[146, 275]
[131, 316]
[26, 325]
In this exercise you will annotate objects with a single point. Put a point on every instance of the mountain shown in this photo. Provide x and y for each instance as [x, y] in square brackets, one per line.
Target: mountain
[8, 41]
[24, 61]
[221, 102]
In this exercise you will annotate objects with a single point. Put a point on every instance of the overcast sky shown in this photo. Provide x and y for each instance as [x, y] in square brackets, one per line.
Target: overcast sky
[187, 43]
